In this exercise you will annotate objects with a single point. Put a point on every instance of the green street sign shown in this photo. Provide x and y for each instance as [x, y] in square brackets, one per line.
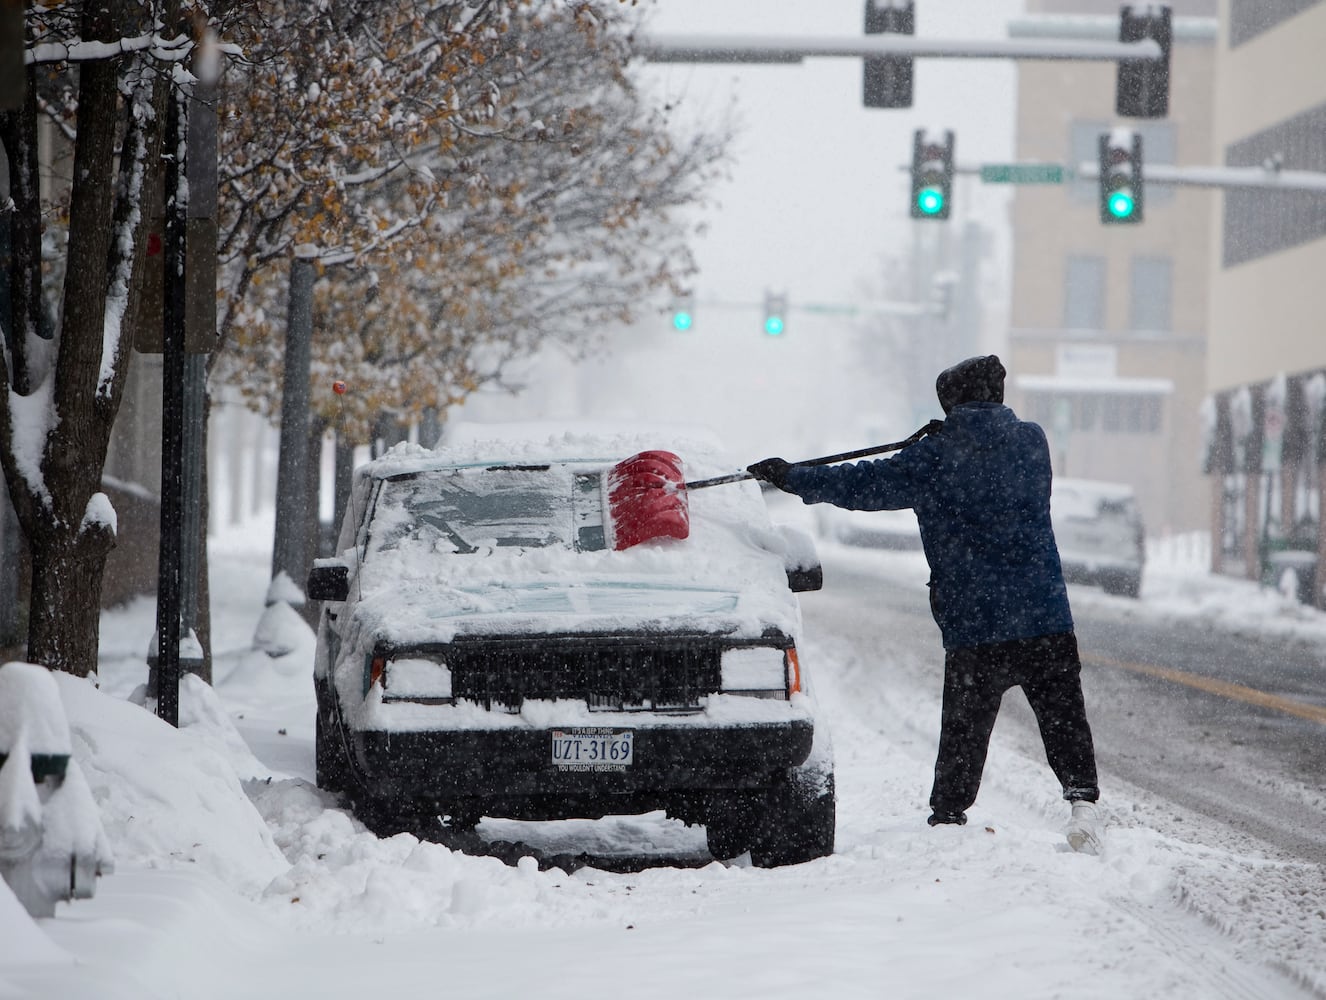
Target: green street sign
[1023, 173]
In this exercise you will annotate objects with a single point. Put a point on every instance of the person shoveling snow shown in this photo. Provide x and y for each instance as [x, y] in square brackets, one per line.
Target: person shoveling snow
[981, 491]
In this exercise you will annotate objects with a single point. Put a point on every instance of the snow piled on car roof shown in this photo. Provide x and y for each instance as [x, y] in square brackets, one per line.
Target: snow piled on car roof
[576, 439]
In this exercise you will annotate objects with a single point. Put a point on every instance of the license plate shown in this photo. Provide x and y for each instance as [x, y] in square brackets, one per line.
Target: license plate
[592, 748]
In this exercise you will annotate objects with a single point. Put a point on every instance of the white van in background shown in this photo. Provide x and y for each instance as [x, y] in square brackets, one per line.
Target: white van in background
[1098, 528]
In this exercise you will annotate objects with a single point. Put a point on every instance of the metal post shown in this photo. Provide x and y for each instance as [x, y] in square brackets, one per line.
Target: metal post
[172, 427]
[290, 546]
[195, 375]
[9, 529]
[343, 477]
[13, 72]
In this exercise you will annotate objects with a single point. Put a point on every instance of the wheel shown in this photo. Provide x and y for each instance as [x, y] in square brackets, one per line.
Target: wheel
[328, 757]
[385, 818]
[790, 823]
[731, 825]
[799, 822]
[1123, 585]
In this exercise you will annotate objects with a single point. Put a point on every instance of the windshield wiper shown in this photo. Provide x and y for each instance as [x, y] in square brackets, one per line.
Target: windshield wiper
[433, 521]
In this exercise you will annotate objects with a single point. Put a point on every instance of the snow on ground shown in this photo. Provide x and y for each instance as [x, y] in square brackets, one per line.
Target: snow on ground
[236, 877]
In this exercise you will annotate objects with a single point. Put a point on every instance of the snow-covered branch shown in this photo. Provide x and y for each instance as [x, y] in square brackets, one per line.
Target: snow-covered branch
[172, 50]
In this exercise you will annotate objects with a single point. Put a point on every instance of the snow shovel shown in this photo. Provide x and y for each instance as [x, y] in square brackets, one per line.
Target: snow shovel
[647, 495]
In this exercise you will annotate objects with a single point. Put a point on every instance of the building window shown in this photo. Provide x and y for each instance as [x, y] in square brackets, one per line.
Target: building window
[1097, 412]
[1152, 288]
[1087, 412]
[1257, 223]
[1130, 413]
[1249, 18]
[1084, 293]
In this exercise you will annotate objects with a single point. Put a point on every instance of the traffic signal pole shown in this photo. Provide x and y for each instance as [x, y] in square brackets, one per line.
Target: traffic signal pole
[1265, 178]
[768, 49]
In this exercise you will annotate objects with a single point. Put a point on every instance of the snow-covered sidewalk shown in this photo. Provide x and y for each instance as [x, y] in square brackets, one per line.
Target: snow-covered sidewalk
[236, 877]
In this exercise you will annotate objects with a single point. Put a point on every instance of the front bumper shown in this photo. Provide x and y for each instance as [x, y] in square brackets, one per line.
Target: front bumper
[510, 772]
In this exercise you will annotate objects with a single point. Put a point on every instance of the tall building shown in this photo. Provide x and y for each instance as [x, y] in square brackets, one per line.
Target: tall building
[1266, 361]
[1109, 324]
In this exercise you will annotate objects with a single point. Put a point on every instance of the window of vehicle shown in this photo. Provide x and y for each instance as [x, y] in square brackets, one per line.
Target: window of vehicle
[466, 511]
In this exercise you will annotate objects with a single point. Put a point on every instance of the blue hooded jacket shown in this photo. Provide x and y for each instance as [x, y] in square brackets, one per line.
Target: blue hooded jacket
[981, 492]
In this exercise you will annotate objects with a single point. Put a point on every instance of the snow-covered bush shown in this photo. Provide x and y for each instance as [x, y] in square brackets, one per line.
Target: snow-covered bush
[52, 846]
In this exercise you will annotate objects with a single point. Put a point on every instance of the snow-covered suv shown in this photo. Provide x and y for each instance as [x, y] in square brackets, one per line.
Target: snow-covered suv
[484, 651]
[1098, 528]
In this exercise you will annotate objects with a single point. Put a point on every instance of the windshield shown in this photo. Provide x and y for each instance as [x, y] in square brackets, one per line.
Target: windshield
[464, 511]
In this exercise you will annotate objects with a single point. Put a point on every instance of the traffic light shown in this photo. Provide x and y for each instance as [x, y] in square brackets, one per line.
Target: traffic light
[932, 175]
[775, 314]
[1142, 85]
[683, 313]
[1121, 177]
[888, 79]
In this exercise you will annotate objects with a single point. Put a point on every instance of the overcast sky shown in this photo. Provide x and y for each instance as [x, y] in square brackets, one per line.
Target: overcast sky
[817, 195]
[817, 199]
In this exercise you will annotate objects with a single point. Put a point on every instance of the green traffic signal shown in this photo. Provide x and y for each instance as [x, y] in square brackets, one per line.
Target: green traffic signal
[930, 201]
[682, 320]
[1122, 180]
[1121, 204]
[773, 326]
[932, 174]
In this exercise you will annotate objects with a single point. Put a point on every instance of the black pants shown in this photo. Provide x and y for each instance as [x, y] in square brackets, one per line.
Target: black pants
[1048, 670]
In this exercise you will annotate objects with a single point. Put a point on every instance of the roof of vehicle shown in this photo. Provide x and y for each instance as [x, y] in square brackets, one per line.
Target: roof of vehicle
[1082, 497]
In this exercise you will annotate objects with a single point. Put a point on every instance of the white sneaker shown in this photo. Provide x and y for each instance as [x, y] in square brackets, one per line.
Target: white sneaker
[1084, 828]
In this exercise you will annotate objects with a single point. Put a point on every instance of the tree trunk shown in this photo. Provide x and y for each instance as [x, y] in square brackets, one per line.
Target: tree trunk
[66, 574]
[69, 551]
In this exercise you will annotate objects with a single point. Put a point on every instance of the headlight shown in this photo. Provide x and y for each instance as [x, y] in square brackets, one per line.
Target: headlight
[760, 671]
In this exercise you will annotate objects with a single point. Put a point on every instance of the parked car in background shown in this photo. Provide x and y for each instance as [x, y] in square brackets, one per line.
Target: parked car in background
[877, 529]
[1099, 530]
[484, 651]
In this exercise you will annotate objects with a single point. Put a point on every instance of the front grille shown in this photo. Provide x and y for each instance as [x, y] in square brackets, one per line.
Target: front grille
[607, 676]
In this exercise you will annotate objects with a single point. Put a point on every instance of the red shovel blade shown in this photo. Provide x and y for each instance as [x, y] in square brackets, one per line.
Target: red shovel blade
[646, 499]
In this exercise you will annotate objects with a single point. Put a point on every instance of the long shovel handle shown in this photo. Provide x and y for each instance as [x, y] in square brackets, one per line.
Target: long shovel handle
[878, 449]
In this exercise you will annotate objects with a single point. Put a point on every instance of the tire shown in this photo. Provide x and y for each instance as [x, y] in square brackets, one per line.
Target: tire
[731, 826]
[328, 757]
[1123, 585]
[791, 823]
[799, 822]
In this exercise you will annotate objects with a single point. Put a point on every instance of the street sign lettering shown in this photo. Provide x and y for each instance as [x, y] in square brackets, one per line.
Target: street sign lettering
[1022, 173]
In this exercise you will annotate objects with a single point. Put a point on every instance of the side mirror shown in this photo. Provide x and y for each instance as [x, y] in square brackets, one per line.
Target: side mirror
[329, 580]
[806, 578]
[804, 572]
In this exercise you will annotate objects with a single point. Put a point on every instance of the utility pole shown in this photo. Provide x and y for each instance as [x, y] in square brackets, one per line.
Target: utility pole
[290, 546]
[188, 325]
[169, 572]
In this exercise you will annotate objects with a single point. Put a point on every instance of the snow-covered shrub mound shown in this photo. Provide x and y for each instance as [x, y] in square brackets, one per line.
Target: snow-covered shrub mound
[169, 795]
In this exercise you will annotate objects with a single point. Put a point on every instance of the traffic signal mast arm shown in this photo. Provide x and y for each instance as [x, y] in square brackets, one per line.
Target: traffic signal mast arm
[1265, 178]
[769, 49]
